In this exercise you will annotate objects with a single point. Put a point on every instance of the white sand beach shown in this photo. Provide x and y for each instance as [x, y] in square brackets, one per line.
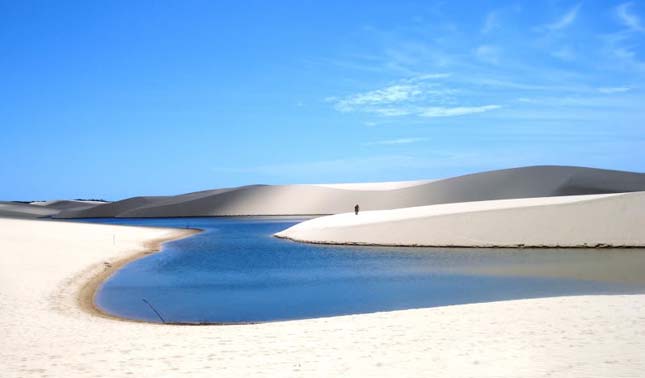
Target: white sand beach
[565, 221]
[45, 268]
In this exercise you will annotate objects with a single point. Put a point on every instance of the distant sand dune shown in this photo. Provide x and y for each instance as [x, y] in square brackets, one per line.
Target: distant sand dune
[43, 209]
[69, 204]
[23, 210]
[109, 210]
[539, 181]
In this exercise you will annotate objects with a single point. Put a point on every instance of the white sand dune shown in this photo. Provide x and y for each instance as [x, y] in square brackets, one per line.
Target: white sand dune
[567, 221]
[42, 209]
[68, 204]
[109, 210]
[44, 266]
[541, 181]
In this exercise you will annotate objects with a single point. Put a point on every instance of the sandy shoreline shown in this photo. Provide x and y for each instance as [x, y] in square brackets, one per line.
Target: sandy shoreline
[455, 246]
[88, 291]
[44, 265]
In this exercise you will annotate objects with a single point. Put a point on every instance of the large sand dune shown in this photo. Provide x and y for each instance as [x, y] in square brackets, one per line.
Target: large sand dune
[44, 267]
[568, 221]
[539, 181]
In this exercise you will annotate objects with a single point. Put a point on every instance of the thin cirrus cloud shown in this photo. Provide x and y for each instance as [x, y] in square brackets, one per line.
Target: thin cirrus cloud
[612, 90]
[565, 20]
[438, 111]
[398, 141]
[418, 96]
[389, 95]
[407, 90]
[630, 20]
[391, 111]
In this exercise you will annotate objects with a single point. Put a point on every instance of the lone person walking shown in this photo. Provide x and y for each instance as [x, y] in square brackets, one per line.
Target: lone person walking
[356, 208]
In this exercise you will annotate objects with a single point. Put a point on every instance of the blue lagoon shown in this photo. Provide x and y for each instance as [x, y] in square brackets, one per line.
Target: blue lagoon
[236, 272]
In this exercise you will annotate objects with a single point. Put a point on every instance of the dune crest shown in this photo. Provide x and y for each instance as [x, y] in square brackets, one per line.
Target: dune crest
[321, 199]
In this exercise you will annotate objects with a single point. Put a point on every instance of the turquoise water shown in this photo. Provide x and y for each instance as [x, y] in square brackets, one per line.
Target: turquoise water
[235, 271]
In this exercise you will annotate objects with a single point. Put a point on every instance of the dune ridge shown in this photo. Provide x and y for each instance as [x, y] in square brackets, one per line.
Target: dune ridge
[321, 199]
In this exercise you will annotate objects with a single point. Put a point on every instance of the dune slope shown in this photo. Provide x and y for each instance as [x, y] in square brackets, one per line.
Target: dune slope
[67, 205]
[527, 182]
[567, 221]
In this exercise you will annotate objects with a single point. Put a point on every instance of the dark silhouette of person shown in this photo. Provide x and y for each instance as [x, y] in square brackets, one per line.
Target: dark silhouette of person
[356, 208]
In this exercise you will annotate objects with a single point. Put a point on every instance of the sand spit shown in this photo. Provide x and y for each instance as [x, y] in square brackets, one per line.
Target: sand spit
[44, 265]
[527, 182]
[604, 220]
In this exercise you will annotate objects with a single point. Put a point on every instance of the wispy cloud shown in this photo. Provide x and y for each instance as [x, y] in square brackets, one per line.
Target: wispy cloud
[621, 49]
[630, 20]
[398, 141]
[596, 101]
[391, 111]
[386, 96]
[630, 57]
[409, 96]
[488, 75]
[565, 20]
[517, 78]
[612, 90]
[438, 111]
[425, 77]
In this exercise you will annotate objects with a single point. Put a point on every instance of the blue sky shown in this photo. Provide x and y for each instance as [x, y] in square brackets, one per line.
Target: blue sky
[113, 99]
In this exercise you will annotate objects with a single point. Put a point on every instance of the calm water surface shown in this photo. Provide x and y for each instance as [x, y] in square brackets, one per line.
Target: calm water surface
[235, 271]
